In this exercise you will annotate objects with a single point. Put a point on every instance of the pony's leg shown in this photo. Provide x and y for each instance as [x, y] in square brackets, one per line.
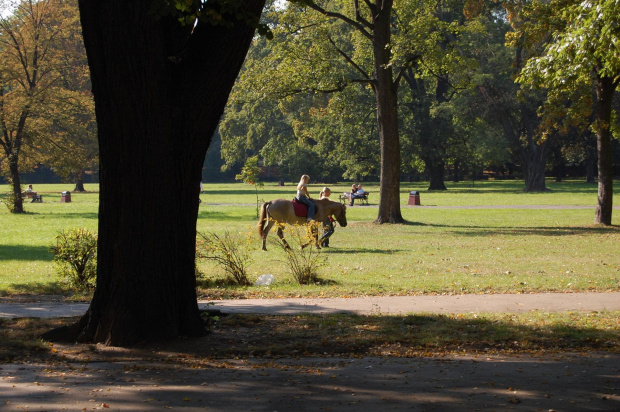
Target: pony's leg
[281, 236]
[266, 230]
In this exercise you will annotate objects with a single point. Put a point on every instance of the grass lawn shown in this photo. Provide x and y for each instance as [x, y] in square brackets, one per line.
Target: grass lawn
[465, 240]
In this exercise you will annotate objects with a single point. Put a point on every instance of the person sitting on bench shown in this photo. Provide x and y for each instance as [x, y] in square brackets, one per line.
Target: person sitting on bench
[30, 193]
[358, 194]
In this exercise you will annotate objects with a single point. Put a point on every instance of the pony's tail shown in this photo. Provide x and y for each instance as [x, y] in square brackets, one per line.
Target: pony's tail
[262, 218]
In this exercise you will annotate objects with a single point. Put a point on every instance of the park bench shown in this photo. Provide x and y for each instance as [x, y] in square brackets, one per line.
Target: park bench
[35, 198]
[345, 198]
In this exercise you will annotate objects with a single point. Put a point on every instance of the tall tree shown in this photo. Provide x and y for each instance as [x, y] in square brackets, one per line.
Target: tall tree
[31, 78]
[161, 78]
[373, 22]
[69, 143]
[584, 51]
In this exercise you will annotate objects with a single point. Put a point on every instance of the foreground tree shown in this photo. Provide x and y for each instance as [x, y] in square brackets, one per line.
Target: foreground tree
[160, 83]
[584, 51]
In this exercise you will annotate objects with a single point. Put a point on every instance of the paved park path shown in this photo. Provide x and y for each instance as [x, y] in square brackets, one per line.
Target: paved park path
[500, 303]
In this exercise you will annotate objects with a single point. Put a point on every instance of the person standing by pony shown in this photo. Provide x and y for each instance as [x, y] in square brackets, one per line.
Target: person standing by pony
[304, 197]
[328, 224]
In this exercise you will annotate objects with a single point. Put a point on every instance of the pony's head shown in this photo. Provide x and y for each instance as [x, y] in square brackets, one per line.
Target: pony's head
[341, 216]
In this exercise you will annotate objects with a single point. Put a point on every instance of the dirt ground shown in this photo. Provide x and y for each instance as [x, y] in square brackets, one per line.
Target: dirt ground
[496, 383]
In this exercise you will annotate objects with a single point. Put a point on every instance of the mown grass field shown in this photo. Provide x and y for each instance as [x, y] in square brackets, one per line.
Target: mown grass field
[465, 240]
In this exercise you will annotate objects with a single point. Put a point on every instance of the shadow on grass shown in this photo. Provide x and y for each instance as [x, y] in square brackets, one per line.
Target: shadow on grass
[39, 288]
[507, 187]
[262, 193]
[373, 335]
[352, 334]
[82, 215]
[345, 251]
[25, 252]
[536, 231]
[220, 216]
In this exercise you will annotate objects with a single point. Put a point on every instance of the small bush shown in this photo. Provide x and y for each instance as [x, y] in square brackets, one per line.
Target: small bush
[75, 255]
[303, 260]
[227, 251]
[10, 201]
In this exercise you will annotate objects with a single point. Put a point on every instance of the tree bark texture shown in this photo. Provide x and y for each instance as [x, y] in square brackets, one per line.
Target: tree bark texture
[605, 87]
[533, 158]
[16, 186]
[79, 183]
[387, 116]
[160, 89]
[436, 174]
[532, 151]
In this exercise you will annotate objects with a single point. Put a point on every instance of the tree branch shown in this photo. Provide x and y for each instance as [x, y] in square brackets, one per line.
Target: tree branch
[359, 26]
[349, 59]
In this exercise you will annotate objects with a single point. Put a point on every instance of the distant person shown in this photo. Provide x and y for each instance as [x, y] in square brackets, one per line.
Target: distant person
[304, 197]
[30, 193]
[353, 192]
[328, 223]
[359, 194]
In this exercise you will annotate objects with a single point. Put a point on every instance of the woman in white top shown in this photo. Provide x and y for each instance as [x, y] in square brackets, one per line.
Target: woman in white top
[304, 197]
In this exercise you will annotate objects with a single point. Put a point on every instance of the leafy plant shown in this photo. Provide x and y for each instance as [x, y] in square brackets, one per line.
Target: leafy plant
[11, 201]
[75, 255]
[305, 260]
[229, 252]
[249, 174]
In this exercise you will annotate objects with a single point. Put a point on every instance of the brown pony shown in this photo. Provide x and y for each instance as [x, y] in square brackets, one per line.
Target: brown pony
[282, 211]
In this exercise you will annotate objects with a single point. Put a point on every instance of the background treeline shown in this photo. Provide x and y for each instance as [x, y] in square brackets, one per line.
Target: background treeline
[305, 103]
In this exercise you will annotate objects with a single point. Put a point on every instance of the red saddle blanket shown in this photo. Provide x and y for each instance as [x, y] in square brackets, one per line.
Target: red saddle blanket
[300, 209]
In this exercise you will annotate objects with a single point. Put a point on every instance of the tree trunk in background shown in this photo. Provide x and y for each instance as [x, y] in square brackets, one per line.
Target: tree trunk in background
[17, 202]
[79, 183]
[457, 170]
[436, 175]
[387, 117]
[533, 163]
[160, 89]
[605, 87]
[590, 161]
[532, 153]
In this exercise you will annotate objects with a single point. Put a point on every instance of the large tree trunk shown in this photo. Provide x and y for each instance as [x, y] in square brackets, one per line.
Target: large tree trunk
[387, 117]
[605, 87]
[160, 89]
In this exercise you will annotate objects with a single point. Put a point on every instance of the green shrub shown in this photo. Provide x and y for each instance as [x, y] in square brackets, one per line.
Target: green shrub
[230, 252]
[304, 259]
[75, 255]
[10, 200]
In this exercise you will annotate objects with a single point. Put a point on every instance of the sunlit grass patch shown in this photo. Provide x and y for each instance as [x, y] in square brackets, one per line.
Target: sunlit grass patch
[439, 251]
